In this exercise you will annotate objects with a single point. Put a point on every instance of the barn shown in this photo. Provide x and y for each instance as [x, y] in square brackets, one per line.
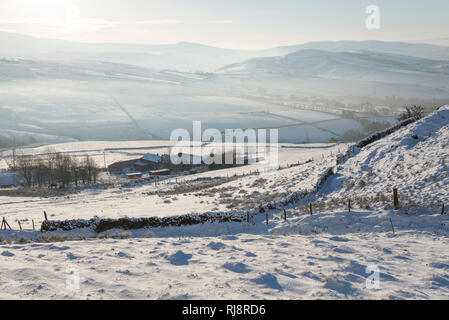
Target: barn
[161, 172]
[146, 163]
[134, 175]
[8, 179]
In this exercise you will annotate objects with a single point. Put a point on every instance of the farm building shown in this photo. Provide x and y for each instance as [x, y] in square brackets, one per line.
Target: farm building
[134, 175]
[8, 179]
[146, 163]
[161, 172]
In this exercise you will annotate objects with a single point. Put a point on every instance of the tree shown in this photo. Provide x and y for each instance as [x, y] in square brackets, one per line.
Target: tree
[40, 171]
[411, 111]
[51, 164]
[25, 166]
[75, 170]
[91, 169]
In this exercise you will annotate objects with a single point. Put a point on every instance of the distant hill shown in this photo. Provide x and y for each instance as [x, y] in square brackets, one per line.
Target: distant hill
[185, 56]
[361, 65]
[422, 50]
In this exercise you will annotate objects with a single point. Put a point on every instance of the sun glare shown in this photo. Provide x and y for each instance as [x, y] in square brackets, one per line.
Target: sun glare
[63, 13]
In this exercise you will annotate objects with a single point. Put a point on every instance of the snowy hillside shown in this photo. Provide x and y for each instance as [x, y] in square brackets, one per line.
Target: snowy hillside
[437, 51]
[294, 255]
[240, 266]
[185, 56]
[341, 76]
[15, 69]
[362, 65]
[414, 159]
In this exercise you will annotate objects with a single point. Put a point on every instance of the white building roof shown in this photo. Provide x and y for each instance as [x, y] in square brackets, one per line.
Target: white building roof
[152, 158]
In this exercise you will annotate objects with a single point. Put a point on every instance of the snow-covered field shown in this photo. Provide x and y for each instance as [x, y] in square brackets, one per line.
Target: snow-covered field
[138, 200]
[238, 262]
[330, 254]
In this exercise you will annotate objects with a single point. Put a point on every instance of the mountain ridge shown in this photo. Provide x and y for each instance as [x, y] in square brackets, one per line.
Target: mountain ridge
[189, 56]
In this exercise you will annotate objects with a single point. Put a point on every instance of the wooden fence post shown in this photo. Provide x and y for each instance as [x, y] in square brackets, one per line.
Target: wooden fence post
[32, 221]
[442, 210]
[349, 205]
[267, 218]
[20, 226]
[45, 215]
[6, 224]
[392, 227]
[285, 215]
[395, 199]
[311, 210]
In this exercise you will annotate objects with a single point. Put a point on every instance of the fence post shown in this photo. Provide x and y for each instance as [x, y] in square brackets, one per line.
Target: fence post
[285, 215]
[20, 226]
[392, 227]
[349, 205]
[45, 215]
[6, 224]
[442, 210]
[267, 218]
[32, 220]
[311, 210]
[395, 199]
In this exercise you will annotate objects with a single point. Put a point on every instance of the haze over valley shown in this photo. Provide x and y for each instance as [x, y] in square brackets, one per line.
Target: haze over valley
[60, 91]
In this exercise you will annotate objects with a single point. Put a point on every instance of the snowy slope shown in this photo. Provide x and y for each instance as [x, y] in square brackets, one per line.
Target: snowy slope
[14, 69]
[362, 65]
[414, 159]
[185, 56]
[240, 266]
[326, 255]
[438, 51]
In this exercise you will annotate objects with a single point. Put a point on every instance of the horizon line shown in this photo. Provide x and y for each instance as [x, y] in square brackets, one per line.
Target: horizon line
[222, 47]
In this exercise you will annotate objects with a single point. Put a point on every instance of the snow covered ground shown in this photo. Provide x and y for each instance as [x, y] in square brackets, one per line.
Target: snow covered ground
[141, 199]
[414, 159]
[330, 254]
[412, 265]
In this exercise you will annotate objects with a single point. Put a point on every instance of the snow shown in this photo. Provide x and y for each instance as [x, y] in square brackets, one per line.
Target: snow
[413, 265]
[327, 255]
[139, 200]
[152, 158]
[414, 159]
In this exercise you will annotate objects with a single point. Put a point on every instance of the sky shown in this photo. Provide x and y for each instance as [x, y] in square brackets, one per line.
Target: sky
[236, 24]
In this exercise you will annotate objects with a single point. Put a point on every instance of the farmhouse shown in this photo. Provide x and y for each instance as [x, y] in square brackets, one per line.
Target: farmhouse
[146, 163]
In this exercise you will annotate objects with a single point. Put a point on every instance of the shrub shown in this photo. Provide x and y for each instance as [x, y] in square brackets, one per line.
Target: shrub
[125, 235]
[22, 240]
[411, 112]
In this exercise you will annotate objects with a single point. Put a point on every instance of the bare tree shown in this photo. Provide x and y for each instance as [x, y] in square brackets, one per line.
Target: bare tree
[25, 166]
[91, 169]
[56, 167]
[75, 169]
[411, 111]
[40, 171]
